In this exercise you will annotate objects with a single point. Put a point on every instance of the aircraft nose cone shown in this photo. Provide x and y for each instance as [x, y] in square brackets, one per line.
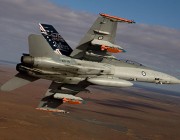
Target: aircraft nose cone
[174, 80]
[177, 81]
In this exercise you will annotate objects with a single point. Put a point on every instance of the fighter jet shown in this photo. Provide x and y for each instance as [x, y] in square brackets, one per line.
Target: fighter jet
[72, 71]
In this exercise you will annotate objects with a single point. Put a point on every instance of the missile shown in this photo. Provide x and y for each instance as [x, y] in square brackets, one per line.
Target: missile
[51, 110]
[116, 18]
[110, 82]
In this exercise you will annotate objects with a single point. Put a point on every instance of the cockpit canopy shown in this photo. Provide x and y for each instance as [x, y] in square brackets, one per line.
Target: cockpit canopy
[132, 62]
[122, 62]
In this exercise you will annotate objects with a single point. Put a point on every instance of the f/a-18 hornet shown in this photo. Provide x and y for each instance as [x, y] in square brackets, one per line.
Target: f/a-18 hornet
[90, 63]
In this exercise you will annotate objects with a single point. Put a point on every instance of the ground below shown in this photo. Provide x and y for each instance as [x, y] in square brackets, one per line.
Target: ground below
[109, 113]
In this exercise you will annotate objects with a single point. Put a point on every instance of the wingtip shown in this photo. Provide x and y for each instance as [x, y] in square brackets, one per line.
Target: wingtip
[116, 18]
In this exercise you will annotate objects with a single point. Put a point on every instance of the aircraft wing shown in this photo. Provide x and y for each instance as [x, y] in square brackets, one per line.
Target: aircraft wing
[99, 41]
[58, 94]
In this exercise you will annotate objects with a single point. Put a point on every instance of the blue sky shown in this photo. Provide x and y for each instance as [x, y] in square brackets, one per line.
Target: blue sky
[153, 12]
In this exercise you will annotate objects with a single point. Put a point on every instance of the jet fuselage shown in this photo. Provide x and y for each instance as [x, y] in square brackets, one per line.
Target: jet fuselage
[110, 72]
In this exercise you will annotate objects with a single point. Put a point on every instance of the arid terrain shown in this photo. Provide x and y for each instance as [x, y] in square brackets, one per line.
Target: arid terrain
[134, 113]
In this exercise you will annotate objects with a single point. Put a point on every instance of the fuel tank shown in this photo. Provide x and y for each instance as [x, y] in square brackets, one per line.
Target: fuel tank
[114, 82]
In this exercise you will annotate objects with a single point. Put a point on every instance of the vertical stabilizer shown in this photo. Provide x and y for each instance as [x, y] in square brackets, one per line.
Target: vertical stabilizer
[55, 40]
[39, 47]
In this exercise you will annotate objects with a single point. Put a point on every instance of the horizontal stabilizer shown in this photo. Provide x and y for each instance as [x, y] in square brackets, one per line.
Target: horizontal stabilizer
[17, 81]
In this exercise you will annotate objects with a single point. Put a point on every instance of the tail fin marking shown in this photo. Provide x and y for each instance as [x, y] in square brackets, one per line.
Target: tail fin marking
[55, 40]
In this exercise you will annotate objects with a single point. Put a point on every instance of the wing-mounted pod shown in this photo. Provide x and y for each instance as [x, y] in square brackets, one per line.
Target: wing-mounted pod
[107, 46]
[113, 82]
[99, 41]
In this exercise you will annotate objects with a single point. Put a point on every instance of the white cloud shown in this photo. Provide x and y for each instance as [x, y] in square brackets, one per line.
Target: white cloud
[157, 46]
